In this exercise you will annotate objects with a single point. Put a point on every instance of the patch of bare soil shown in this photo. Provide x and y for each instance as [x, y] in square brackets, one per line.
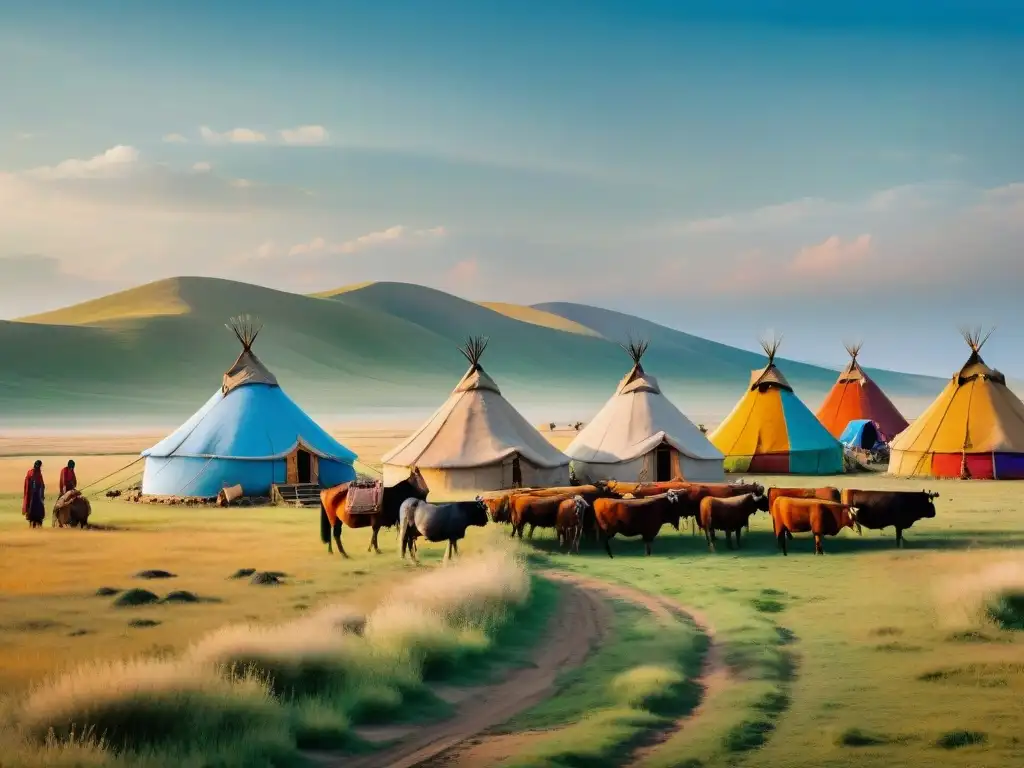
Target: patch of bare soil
[582, 621]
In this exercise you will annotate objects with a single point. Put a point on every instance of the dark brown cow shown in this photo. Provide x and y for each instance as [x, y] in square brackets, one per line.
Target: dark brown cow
[635, 517]
[822, 518]
[880, 509]
[571, 521]
[540, 510]
[499, 505]
[696, 492]
[731, 515]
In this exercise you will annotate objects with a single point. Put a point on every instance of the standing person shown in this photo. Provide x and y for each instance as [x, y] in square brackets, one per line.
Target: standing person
[32, 506]
[68, 481]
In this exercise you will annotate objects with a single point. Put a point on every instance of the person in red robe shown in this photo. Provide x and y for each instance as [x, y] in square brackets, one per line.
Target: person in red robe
[32, 505]
[68, 481]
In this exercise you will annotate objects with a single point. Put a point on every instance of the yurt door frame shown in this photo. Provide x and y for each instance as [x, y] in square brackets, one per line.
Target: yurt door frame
[662, 463]
[303, 466]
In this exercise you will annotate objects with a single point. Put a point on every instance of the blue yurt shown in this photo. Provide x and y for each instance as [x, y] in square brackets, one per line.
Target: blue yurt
[250, 433]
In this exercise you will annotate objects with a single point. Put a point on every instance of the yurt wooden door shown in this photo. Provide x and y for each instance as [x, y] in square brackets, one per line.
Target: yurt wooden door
[663, 464]
[303, 467]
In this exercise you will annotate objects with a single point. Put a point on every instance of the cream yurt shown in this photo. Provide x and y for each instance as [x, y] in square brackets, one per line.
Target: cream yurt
[477, 441]
[639, 434]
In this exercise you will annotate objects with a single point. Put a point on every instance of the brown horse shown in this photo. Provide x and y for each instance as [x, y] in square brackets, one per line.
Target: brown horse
[334, 512]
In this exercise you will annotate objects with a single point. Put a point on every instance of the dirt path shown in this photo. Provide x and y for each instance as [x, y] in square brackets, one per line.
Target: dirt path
[491, 749]
[581, 623]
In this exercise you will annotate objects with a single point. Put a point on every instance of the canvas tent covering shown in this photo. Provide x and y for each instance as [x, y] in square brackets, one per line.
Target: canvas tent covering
[861, 433]
[855, 396]
[974, 429]
[771, 431]
[477, 441]
[249, 433]
[640, 434]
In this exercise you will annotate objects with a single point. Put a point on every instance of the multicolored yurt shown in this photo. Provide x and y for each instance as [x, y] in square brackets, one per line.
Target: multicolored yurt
[855, 396]
[974, 429]
[250, 433]
[861, 433]
[772, 432]
[639, 434]
[477, 441]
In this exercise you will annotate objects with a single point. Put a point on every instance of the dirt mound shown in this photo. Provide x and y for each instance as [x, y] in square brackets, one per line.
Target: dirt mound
[134, 597]
[242, 573]
[108, 591]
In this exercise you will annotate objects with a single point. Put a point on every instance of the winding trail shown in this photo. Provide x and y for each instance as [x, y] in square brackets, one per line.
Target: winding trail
[582, 621]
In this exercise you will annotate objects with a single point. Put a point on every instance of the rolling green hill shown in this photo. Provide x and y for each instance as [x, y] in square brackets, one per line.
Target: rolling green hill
[157, 352]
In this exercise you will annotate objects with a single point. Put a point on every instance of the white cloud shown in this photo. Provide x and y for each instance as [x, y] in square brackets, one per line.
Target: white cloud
[234, 136]
[114, 162]
[769, 216]
[831, 256]
[305, 135]
[24, 136]
[175, 138]
[392, 235]
[202, 167]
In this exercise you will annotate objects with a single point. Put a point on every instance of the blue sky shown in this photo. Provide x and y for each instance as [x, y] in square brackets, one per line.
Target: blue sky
[722, 167]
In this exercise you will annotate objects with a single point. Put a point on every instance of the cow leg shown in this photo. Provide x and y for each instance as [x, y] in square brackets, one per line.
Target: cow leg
[818, 548]
[709, 536]
[782, 542]
[647, 546]
[728, 539]
[607, 543]
[455, 546]
[738, 530]
[530, 534]
[899, 538]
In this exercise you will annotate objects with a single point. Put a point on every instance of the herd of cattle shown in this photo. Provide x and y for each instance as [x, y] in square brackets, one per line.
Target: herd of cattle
[605, 510]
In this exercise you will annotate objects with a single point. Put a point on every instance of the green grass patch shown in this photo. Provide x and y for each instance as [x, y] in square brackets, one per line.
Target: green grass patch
[859, 737]
[960, 739]
[1006, 610]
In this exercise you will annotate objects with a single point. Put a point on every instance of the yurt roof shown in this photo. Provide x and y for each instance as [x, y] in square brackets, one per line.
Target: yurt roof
[247, 369]
[770, 375]
[636, 420]
[975, 366]
[853, 371]
[475, 427]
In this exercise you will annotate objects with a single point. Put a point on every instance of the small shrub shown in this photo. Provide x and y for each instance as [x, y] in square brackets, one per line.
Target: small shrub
[318, 726]
[748, 735]
[1007, 610]
[647, 686]
[181, 596]
[265, 579]
[134, 597]
[107, 591]
[243, 573]
[858, 737]
[155, 574]
[141, 623]
[773, 703]
[960, 739]
[767, 605]
[886, 631]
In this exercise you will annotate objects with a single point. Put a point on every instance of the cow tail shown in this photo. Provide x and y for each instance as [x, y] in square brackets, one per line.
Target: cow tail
[325, 524]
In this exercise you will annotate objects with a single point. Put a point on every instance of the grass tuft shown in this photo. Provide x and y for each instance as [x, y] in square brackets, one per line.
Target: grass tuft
[1006, 610]
[858, 737]
[135, 597]
[959, 739]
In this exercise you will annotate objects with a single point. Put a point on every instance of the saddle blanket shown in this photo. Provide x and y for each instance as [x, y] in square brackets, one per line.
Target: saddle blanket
[364, 499]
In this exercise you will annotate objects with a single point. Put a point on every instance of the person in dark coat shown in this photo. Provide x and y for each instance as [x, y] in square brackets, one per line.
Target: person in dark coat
[32, 505]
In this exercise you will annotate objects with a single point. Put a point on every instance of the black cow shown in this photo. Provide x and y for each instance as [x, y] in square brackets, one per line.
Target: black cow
[880, 509]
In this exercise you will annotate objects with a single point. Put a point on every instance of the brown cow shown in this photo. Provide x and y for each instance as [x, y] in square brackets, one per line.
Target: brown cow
[692, 496]
[636, 517]
[822, 518]
[535, 511]
[825, 494]
[570, 522]
[730, 515]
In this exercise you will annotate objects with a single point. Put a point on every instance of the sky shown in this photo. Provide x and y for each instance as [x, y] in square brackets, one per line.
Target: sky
[827, 171]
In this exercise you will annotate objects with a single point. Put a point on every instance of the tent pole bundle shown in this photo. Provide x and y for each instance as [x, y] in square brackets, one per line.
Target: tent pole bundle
[855, 397]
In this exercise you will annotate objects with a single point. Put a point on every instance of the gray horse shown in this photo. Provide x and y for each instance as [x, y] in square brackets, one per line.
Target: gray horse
[438, 522]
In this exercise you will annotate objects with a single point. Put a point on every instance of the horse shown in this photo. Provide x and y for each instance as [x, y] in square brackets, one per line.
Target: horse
[439, 522]
[333, 510]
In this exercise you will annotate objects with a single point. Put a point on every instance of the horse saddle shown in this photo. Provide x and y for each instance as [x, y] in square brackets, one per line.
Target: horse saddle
[364, 499]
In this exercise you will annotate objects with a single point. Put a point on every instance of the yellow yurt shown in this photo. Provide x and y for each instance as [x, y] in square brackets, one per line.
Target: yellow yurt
[974, 429]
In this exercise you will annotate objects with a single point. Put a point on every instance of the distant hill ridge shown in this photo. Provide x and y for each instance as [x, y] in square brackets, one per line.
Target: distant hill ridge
[159, 350]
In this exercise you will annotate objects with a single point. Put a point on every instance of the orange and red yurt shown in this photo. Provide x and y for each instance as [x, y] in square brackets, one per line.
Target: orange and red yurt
[855, 397]
[974, 429]
[771, 431]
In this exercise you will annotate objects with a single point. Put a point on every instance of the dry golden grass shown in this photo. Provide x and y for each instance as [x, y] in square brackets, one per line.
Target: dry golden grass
[539, 317]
